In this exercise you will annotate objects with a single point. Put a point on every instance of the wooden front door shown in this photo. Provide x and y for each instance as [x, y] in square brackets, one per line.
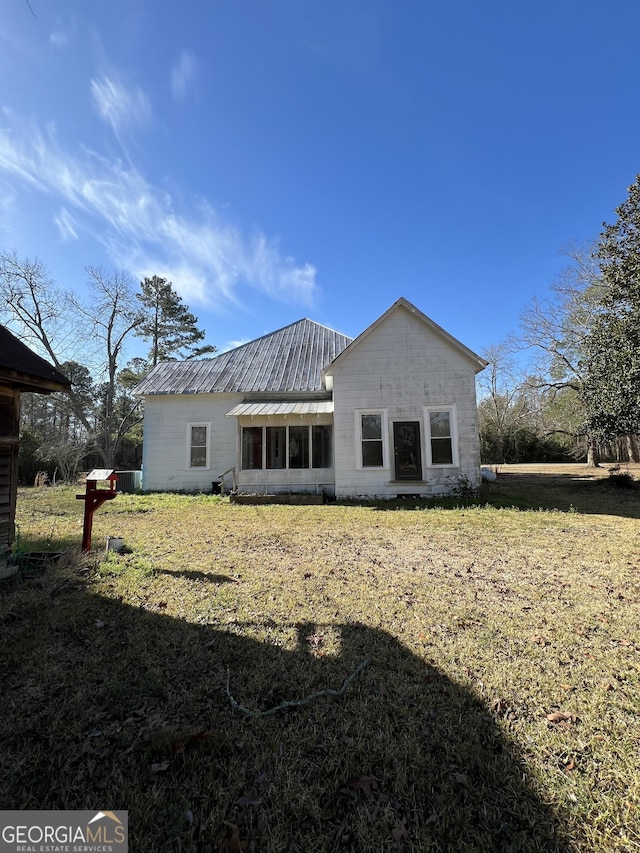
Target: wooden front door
[406, 450]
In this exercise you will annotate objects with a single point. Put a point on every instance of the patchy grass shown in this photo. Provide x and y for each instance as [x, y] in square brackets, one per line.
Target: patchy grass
[498, 708]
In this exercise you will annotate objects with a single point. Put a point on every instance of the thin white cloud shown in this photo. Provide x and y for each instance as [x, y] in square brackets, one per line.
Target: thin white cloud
[183, 76]
[232, 345]
[207, 259]
[7, 200]
[66, 224]
[124, 109]
[60, 38]
[63, 32]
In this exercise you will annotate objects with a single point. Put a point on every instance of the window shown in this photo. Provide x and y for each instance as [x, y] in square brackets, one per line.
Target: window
[321, 445]
[287, 447]
[251, 448]
[372, 442]
[442, 438]
[197, 446]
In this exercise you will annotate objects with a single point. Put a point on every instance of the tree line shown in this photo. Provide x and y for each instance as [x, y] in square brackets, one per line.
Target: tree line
[567, 384]
[98, 423]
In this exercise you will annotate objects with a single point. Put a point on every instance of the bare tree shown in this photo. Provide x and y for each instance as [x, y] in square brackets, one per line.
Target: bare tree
[556, 329]
[505, 409]
[67, 456]
[62, 326]
[36, 307]
[113, 316]
[43, 315]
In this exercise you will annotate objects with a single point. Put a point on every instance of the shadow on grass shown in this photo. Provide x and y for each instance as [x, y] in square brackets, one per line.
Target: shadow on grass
[562, 493]
[196, 576]
[105, 705]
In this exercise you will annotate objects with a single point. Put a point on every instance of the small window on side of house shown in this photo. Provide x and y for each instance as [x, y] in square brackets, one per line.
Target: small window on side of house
[371, 438]
[198, 445]
[442, 436]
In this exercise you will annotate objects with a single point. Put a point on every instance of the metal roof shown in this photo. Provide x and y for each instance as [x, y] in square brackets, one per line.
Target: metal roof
[300, 407]
[290, 359]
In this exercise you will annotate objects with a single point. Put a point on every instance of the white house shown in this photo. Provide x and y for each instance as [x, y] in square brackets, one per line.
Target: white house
[306, 409]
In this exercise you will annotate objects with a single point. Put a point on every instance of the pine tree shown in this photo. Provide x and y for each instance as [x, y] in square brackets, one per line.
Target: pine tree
[168, 324]
[611, 390]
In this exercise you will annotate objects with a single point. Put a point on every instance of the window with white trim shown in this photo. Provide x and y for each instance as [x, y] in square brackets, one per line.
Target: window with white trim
[442, 443]
[371, 427]
[198, 445]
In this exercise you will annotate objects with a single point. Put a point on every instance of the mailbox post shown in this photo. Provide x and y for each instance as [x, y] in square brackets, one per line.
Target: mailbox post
[95, 497]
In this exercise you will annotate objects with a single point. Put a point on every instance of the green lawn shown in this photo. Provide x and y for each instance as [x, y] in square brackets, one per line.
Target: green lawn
[477, 670]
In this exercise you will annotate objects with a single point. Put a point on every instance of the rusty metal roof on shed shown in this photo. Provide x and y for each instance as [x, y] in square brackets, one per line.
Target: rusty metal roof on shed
[288, 360]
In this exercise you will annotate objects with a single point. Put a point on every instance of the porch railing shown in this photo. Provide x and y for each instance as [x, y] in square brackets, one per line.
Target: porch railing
[234, 480]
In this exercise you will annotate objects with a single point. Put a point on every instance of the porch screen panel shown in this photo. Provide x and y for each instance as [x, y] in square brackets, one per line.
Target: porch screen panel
[276, 447]
[251, 448]
[299, 447]
[321, 446]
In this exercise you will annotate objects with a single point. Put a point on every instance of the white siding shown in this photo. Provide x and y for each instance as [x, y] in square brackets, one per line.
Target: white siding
[165, 459]
[399, 368]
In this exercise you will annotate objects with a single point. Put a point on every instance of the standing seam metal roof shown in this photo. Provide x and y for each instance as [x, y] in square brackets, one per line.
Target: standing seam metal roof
[288, 360]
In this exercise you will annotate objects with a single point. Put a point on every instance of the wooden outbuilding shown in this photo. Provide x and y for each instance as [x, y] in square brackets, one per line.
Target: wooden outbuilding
[20, 370]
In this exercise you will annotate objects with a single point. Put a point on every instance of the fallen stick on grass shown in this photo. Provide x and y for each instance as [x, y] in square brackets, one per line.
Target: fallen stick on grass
[295, 703]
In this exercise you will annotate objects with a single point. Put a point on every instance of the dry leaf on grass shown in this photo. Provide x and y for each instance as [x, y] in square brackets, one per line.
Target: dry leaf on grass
[462, 780]
[233, 844]
[561, 719]
[179, 746]
[159, 767]
[364, 783]
[400, 830]
[499, 706]
[249, 800]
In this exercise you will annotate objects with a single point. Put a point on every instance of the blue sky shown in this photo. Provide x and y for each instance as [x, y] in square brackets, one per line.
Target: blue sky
[277, 159]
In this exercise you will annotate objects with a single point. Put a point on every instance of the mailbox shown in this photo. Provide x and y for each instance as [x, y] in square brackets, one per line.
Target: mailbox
[94, 497]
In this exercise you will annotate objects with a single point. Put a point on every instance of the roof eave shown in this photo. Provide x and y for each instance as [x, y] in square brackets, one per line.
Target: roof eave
[34, 384]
